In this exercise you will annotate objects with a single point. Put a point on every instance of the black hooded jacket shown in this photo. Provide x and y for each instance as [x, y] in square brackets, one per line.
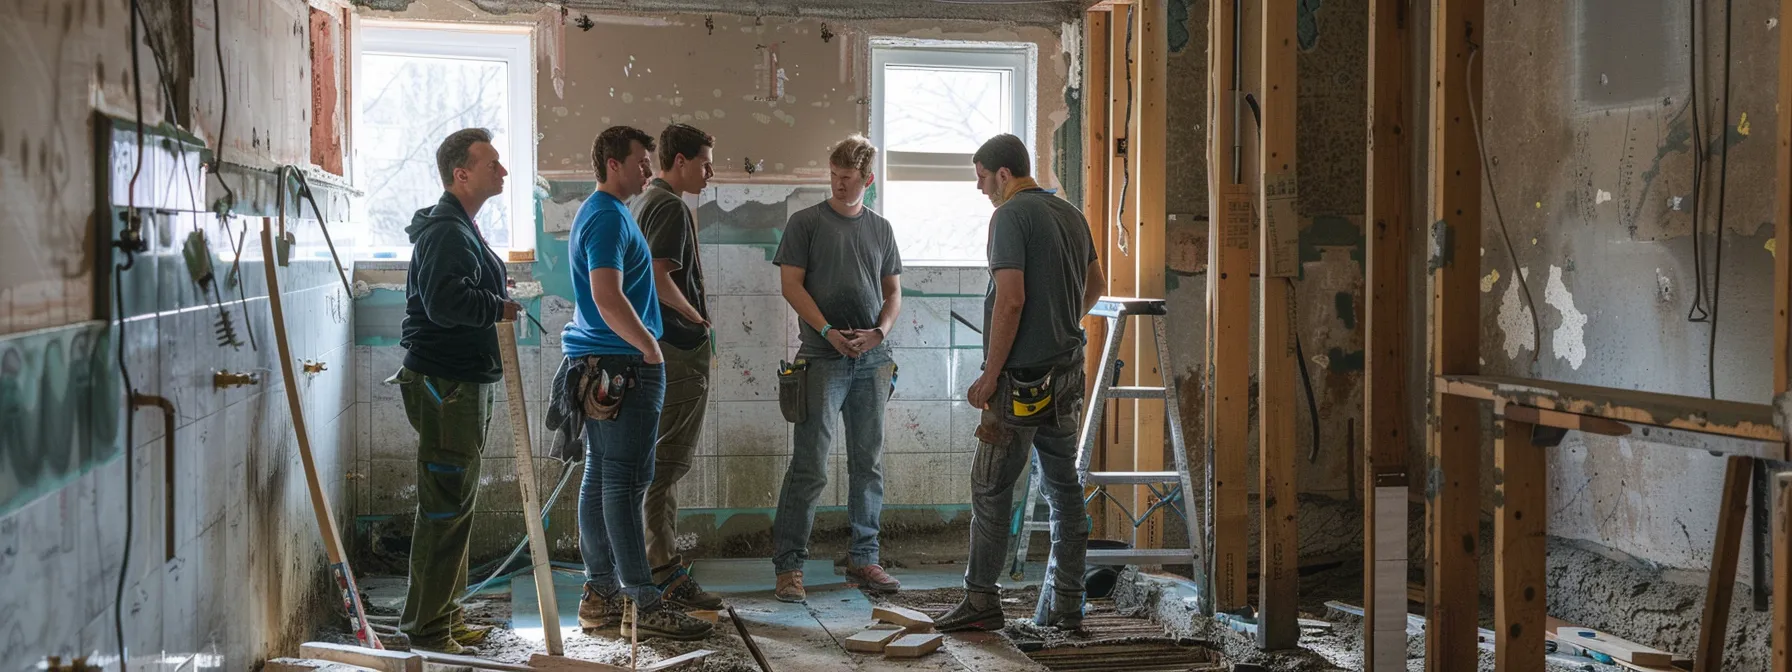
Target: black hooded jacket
[454, 292]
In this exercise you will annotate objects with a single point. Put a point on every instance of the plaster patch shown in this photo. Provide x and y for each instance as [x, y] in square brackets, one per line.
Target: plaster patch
[526, 290]
[1602, 197]
[1487, 282]
[762, 117]
[1570, 337]
[364, 289]
[1665, 286]
[1674, 202]
[1515, 322]
[729, 197]
[1771, 22]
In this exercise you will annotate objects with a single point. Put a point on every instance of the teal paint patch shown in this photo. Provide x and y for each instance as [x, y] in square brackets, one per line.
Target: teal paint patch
[1178, 27]
[60, 414]
[1346, 304]
[1679, 139]
[1345, 361]
[1306, 24]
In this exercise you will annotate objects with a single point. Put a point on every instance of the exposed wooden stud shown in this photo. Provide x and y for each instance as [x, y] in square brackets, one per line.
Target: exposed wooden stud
[1120, 223]
[1782, 225]
[1560, 420]
[1453, 445]
[1151, 76]
[1277, 622]
[1229, 247]
[1387, 312]
[1097, 160]
[1726, 551]
[1696, 414]
[1520, 522]
[1782, 573]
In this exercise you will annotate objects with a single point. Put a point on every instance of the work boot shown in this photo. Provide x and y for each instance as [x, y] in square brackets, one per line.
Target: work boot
[1051, 611]
[667, 621]
[1068, 621]
[683, 591]
[976, 612]
[872, 577]
[598, 613]
[443, 644]
[790, 587]
[469, 635]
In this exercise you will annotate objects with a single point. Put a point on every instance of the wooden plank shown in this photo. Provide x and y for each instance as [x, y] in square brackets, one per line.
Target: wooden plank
[914, 646]
[373, 659]
[1277, 627]
[1697, 414]
[1387, 311]
[1097, 161]
[1151, 76]
[1782, 573]
[871, 641]
[340, 571]
[903, 616]
[1120, 223]
[1732, 517]
[1519, 525]
[1782, 222]
[678, 661]
[1453, 445]
[524, 464]
[1558, 419]
[550, 663]
[1228, 323]
[1618, 648]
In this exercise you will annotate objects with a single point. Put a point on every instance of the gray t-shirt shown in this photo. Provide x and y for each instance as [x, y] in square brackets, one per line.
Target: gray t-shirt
[1047, 239]
[846, 260]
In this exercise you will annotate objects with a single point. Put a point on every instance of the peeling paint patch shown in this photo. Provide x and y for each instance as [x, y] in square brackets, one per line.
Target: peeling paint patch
[1307, 24]
[1742, 125]
[1569, 342]
[1179, 34]
[1488, 281]
[1346, 305]
[1601, 197]
[1515, 322]
[1339, 360]
[1772, 21]
[729, 197]
[526, 290]
[1674, 202]
[1664, 286]
[1770, 245]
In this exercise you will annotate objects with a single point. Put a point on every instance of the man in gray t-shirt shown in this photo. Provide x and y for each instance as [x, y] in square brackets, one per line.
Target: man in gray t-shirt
[842, 274]
[1044, 277]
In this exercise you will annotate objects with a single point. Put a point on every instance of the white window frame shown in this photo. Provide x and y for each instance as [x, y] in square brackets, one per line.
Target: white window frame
[1018, 59]
[507, 44]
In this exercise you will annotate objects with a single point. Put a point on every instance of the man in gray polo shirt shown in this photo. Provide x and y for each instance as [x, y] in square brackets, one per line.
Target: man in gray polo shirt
[1044, 277]
[841, 272]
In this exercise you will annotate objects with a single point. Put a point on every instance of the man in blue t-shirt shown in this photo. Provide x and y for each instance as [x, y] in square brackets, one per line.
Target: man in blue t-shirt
[615, 331]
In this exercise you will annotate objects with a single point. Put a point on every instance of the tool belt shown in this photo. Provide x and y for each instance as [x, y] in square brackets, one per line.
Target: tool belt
[599, 390]
[793, 390]
[1032, 397]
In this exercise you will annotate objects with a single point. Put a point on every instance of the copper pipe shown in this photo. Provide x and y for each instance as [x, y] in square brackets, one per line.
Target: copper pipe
[167, 406]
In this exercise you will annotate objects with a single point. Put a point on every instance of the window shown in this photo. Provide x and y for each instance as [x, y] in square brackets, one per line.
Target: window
[413, 86]
[934, 104]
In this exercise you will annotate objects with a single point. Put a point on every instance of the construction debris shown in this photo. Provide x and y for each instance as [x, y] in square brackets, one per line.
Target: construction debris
[914, 646]
[910, 619]
[373, 659]
[871, 641]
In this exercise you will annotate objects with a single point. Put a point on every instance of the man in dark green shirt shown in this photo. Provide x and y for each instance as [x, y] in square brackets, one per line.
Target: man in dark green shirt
[671, 231]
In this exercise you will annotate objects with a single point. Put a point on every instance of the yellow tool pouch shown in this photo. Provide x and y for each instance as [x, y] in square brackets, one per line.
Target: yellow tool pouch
[793, 390]
[1030, 399]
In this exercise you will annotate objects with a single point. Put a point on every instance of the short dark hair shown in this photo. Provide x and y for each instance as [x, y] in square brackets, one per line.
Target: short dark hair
[457, 150]
[615, 143]
[682, 140]
[1004, 151]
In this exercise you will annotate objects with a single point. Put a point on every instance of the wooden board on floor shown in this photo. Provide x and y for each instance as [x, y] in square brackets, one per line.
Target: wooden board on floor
[1726, 552]
[373, 659]
[1229, 258]
[1616, 647]
[1453, 445]
[871, 641]
[1279, 542]
[914, 646]
[903, 616]
[1519, 578]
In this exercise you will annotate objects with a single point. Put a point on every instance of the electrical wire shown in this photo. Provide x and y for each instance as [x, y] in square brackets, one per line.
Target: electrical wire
[498, 570]
[1697, 311]
[1499, 214]
[1123, 241]
[1723, 175]
[128, 245]
[223, 108]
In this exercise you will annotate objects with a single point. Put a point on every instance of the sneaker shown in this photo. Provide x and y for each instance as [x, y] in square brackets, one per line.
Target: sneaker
[667, 621]
[683, 591]
[790, 587]
[469, 635]
[967, 616]
[872, 577]
[598, 613]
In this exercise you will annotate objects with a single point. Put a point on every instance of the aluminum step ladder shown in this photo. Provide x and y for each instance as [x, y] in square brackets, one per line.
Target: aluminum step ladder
[1169, 487]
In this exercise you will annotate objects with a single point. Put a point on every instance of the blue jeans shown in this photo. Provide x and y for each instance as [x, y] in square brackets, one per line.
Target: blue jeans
[994, 473]
[618, 470]
[856, 390]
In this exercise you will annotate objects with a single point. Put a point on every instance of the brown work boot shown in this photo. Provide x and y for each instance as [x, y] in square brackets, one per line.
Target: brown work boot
[790, 587]
[872, 577]
[598, 613]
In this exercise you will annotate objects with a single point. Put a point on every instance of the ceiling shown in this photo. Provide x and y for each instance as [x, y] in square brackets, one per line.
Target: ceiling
[1037, 12]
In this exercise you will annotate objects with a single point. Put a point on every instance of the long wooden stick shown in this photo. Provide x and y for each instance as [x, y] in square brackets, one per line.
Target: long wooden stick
[1726, 552]
[320, 504]
[525, 478]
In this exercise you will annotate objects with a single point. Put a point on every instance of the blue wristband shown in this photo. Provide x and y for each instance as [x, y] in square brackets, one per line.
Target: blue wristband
[824, 331]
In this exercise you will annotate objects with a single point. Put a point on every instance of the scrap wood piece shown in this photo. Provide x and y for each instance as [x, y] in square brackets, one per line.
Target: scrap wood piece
[543, 662]
[914, 646]
[1618, 648]
[374, 659]
[678, 661]
[872, 641]
[470, 661]
[903, 616]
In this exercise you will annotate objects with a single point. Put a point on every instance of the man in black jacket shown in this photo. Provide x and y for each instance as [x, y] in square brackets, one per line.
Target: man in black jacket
[455, 292]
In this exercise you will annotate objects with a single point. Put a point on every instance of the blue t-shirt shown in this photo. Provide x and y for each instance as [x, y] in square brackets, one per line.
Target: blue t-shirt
[604, 235]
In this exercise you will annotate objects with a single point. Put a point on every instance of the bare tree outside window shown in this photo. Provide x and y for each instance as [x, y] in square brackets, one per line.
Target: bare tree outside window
[415, 101]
